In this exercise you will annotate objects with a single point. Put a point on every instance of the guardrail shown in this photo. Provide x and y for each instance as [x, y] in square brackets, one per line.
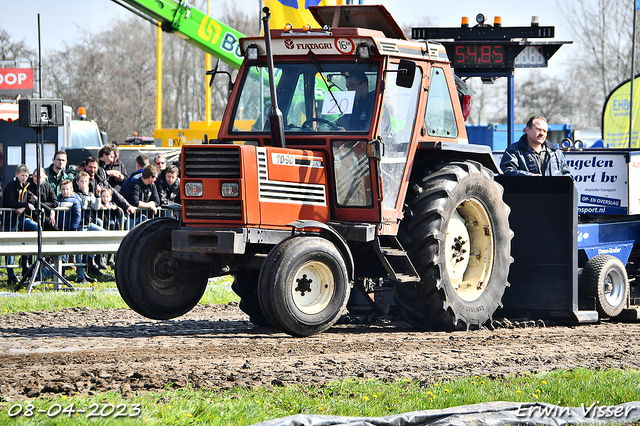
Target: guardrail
[15, 241]
[55, 243]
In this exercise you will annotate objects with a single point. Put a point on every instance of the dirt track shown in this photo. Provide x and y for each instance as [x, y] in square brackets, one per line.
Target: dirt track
[88, 350]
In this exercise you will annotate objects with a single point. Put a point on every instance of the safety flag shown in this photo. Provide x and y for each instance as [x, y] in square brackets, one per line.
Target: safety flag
[295, 12]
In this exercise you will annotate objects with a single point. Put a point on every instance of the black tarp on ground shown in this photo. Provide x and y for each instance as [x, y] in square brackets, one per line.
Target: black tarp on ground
[490, 413]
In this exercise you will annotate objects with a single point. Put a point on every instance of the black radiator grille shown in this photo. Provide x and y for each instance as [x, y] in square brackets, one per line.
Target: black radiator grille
[213, 210]
[219, 163]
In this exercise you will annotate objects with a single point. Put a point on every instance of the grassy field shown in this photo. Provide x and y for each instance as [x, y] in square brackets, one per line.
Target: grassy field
[242, 407]
[102, 294]
[350, 397]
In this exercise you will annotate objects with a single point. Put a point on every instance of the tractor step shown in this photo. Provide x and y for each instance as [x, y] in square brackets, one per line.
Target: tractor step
[395, 260]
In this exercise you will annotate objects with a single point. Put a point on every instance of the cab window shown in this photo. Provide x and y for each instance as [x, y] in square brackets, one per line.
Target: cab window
[440, 118]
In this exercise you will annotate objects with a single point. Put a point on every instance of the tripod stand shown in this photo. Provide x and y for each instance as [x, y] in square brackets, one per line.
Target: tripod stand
[34, 272]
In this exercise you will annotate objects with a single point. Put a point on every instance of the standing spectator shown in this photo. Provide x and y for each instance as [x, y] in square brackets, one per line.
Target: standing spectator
[110, 213]
[141, 162]
[169, 187]
[15, 197]
[161, 162]
[116, 173]
[48, 200]
[89, 222]
[57, 171]
[70, 221]
[142, 192]
[98, 180]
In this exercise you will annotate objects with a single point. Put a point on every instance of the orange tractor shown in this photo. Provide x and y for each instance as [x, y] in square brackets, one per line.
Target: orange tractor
[342, 161]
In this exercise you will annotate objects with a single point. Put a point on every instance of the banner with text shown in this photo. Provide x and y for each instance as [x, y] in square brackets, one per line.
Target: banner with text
[615, 116]
[16, 81]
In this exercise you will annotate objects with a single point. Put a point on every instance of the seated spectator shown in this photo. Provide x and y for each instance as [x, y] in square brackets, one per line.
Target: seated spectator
[48, 200]
[15, 197]
[169, 187]
[70, 221]
[142, 192]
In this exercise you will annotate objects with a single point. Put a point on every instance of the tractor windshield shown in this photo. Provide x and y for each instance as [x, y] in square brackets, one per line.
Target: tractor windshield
[313, 97]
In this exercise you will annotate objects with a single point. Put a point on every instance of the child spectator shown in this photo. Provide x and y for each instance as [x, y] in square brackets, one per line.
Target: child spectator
[70, 221]
[89, 222]
[111, 215]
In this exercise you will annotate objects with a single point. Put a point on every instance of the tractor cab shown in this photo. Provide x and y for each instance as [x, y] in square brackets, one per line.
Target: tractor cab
[353, 95]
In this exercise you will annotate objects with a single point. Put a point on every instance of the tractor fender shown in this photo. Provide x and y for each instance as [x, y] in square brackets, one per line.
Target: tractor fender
[335, 238]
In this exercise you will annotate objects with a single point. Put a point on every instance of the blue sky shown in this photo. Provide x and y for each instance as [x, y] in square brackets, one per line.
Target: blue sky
[63, 21]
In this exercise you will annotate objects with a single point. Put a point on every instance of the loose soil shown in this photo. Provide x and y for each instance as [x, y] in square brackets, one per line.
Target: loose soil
[93, 350]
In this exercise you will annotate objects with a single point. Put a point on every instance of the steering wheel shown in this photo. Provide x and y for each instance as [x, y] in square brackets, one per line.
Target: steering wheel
[307, 123]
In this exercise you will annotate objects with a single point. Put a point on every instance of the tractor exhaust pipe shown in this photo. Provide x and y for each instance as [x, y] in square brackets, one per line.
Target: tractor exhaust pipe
[276, 122]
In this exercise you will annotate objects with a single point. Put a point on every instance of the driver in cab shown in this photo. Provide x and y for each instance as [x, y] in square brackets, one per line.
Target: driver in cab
[360, 117]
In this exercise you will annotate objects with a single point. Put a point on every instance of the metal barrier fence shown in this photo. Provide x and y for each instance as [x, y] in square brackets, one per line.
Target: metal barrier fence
[99, 232]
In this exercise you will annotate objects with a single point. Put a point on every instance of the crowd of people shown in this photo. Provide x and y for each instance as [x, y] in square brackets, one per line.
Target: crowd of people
[98, 193]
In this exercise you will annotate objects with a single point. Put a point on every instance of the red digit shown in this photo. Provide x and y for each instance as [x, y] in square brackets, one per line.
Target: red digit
[460, 54]
[486, 54]
[473, 53]
[497, 52]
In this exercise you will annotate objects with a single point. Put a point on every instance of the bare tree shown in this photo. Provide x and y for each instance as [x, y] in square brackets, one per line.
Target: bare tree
[12, 51]
[603, 31]
[113, 74]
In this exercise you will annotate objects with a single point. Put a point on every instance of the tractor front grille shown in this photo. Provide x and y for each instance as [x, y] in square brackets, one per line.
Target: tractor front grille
[213, 210]
[217, 163]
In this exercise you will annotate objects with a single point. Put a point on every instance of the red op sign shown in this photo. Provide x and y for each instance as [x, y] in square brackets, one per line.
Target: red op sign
[16, 81]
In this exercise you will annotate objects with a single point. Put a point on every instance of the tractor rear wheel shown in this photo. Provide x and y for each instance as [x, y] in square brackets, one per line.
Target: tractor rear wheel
[154, 284]
[605, 278]
[245, 285]
[303, 286]
[456, 232]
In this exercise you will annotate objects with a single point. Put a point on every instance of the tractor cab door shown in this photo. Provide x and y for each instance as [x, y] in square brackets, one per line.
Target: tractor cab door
[397, 122]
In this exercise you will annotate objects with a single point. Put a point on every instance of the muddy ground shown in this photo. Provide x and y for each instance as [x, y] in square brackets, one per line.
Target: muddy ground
[90, 350]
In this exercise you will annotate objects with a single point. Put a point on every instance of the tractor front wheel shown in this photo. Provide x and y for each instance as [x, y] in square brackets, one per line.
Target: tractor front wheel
[303, 286]
[153, 283]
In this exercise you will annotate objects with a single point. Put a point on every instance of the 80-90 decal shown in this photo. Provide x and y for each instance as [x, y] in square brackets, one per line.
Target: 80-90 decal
[293, 160]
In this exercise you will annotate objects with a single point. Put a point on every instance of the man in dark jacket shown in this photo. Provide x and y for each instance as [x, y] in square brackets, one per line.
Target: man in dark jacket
[116, 173]
[533, 154]
[169, 186]
[98, 179]
[57, 171]
[142, 192]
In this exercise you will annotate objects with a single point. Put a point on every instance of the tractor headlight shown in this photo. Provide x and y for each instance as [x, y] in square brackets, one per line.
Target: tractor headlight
[230, 189]
[193, 189]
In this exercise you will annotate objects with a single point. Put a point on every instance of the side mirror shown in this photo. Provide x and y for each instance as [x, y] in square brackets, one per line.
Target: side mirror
[375, 149]
[406, 73]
